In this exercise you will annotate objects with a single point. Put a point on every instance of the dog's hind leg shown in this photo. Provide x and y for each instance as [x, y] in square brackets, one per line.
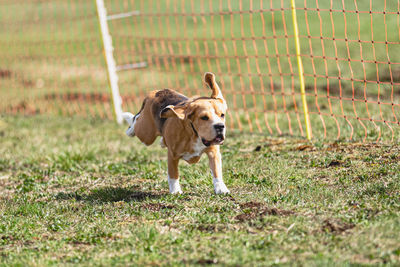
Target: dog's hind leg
[143, 126]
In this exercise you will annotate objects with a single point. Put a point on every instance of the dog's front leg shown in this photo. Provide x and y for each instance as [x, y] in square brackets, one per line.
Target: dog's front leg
[214, 158]
[173, 175]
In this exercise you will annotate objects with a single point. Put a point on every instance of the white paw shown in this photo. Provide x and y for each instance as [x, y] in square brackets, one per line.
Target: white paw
[220, 187]
[174, 186]
[176, 191]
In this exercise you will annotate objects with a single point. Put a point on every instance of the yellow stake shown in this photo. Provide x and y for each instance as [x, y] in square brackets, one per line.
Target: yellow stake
[301, 72]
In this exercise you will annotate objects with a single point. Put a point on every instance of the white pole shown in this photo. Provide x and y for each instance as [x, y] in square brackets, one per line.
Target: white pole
[111, 67]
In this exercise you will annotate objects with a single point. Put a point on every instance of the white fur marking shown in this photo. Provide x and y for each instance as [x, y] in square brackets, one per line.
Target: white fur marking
[174, 186]
[219, 186]
[216, 119]
[197, 148]
[220, 95]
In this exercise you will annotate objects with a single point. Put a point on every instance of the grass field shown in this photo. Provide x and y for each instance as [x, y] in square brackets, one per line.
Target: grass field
[76, 191]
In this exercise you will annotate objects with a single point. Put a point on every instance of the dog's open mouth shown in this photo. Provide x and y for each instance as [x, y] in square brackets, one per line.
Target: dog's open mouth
[218, 140]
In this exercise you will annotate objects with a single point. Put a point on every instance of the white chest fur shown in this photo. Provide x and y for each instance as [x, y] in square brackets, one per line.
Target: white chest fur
[197, 148]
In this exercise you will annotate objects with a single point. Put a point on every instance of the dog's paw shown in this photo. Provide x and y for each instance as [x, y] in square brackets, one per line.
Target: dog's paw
[177, 191]
[174, 186]
[220, 188]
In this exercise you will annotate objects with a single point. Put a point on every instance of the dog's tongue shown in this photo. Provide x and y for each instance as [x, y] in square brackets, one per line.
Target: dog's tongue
[216, 140]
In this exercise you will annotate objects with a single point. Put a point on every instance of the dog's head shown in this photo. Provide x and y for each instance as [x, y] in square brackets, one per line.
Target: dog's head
[205, 114]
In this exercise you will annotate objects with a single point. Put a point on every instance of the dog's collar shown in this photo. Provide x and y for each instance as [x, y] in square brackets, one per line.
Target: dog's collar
[194, 130]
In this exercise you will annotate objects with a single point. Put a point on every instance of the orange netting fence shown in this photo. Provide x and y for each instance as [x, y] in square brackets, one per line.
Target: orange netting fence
[51, 60]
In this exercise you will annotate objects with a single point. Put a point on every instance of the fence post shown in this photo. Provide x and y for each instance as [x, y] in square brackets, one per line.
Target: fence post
[301, 71]
[111, 66]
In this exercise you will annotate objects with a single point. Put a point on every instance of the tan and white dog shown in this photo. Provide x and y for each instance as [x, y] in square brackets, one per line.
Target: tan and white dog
[188, 128]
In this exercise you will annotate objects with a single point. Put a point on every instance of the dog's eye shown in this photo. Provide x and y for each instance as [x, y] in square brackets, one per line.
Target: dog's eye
[204, 118]
[222, 115]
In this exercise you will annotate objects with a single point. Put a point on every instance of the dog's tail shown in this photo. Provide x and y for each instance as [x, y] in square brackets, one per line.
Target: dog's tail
[131, 120]
[129, 117]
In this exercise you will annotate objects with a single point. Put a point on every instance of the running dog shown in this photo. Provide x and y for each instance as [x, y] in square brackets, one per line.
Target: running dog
[188, 128]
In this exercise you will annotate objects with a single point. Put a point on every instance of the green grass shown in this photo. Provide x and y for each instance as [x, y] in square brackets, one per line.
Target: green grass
[77, 191]
[53, 48]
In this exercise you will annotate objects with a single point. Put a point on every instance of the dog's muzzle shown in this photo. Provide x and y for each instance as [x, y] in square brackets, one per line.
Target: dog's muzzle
[219, 138]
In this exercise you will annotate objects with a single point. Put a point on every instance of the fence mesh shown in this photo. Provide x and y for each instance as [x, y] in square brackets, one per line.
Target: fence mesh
[51, 60]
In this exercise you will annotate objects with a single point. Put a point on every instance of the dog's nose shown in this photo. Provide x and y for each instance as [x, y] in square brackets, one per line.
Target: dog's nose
[219, 126]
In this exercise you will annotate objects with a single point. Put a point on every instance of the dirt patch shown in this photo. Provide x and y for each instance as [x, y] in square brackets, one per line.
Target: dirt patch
[350, 148]
[80, 243]
[386, 77]
[253, 210]
[376, 152]
[251, 205]
[5, 74]
[79, 97]
[336, 227]
[344, 89]
[210, 228]
[7, 238]
[334, 163]
[304, 148]
[25, 107]
[110, 194]
[86, 97]
[207, 261]
[201, 262]
[207, 227]
[156, 206]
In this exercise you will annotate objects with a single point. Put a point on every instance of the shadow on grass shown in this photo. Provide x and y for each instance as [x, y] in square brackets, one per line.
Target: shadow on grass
[110, 194]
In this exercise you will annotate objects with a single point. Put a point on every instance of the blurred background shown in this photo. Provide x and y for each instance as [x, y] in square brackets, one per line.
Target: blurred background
[52, 60]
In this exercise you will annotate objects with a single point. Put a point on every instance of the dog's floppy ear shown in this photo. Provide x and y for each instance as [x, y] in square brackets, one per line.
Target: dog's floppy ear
[189, 112]
[170, 111]
[209, 79]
